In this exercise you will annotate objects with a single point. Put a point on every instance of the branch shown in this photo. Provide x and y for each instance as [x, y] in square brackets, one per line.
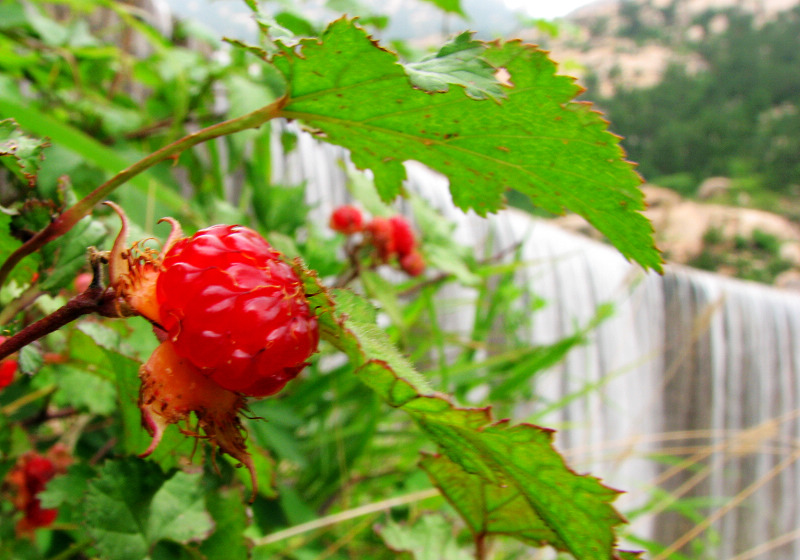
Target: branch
[73, 215]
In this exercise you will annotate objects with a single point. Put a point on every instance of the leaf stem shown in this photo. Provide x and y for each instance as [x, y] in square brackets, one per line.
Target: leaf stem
[74, 214]
[335, 518]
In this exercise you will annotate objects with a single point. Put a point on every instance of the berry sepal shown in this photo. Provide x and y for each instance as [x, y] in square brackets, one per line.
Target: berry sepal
[172, 388]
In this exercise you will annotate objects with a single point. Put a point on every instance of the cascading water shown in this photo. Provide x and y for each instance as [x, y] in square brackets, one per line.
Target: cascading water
[697, 368]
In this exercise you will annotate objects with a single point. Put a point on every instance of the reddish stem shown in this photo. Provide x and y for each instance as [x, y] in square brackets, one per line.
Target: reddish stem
[94, 299]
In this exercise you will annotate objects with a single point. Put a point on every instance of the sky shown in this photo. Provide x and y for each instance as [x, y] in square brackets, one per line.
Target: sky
[547, 9]
[489, 19]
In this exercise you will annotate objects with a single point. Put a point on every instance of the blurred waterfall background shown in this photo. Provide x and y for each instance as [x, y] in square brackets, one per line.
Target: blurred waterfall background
[688, 394]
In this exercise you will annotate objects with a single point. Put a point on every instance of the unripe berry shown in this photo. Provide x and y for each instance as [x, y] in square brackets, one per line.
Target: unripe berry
[347, 219]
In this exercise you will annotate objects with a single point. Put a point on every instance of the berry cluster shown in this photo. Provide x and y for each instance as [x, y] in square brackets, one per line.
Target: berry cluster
[27, 479]
[233, 320]
[388, 237]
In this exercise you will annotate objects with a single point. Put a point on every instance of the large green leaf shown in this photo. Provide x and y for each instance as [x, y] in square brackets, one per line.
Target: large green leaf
[509, 463]
[538, 140]
[133, 505]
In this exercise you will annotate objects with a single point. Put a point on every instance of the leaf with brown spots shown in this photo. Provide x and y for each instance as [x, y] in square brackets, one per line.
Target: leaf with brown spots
[537, 140]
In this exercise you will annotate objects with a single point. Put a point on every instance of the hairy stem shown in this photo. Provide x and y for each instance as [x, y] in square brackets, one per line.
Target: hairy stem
[74, 214]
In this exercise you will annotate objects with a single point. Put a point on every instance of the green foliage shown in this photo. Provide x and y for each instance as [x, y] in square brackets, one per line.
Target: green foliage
[515, 466]
[26, 151]
[132, 505]
[743, 106]
[329, 442]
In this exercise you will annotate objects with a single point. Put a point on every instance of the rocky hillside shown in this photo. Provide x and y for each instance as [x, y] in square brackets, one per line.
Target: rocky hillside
[610, 44]
[705, 94]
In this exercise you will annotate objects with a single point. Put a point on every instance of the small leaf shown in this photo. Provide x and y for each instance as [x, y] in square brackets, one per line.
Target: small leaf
[27, 151]
[24, 272]
[68, 257]
[69, 488]
[430, 538]
[30, 360]
[457, 63]
[133, 505]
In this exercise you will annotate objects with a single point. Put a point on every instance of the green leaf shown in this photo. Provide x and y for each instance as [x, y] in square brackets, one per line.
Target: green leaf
[510, 461]
[88, 148]
[24, 272]
[230, 518]
[487, 509]
[538, 140]
[27, 151]
[133, 505]
[430, 538]
[30, 360]
[68, 257]
[69, 488]
[458, 62]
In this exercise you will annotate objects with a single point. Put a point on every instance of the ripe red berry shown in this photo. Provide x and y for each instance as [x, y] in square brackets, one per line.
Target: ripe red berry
[27, 478]
[236, 310]
[413, 263]
[402, 235]
[233, 320]
[381, 236]
[347, 219]
[8, 368]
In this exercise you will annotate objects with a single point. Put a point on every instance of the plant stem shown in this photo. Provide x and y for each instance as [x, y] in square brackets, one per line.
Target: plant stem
[480, 547]
[74, 214]
[90, 301]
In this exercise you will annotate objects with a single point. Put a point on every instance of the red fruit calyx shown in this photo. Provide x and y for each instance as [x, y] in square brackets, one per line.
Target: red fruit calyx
[347, 219]
[233, 321]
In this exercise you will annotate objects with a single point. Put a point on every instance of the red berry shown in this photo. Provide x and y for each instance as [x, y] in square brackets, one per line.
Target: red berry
[82, 282]
[413, 263]
[381, 237]
[403, 236]
[38, 470]
[232, 318]
[236, 310]
[27, 478]
[347, 219]
[7, 370]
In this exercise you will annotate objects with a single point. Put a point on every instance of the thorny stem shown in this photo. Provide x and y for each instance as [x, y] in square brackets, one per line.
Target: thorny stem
[74, 214]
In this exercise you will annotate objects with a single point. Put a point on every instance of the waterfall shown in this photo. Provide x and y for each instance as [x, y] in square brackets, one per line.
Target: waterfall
[697, 368]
